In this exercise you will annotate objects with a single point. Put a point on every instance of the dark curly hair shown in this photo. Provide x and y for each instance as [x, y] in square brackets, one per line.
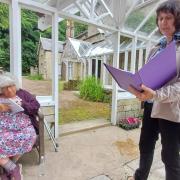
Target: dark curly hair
[173, 7]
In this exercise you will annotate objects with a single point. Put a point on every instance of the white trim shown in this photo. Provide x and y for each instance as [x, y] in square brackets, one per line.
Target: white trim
[15, 40]
[126, 60]
[140, 62]
[114, 85]
[133, 55]
[35, 6]
[92, 9]
[107, 8]
[104, 70]
[89, 67]
[55, 83]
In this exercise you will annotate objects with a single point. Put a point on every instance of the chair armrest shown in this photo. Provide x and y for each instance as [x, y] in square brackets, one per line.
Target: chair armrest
[40, 116]
[41, 136]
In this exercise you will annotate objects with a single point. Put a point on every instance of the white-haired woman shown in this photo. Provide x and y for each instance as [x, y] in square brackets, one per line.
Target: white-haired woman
[17, 130]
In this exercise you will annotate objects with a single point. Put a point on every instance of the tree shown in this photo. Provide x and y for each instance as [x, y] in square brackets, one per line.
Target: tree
[4, 36]
[30, 37]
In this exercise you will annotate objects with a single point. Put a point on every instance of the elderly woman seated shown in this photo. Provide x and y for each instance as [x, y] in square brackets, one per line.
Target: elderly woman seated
[17, 130]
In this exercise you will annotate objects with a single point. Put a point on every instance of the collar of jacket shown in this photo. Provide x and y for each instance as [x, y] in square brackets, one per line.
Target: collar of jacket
[163, 41]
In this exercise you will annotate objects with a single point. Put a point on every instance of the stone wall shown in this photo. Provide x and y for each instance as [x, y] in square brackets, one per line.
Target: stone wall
[128, 108]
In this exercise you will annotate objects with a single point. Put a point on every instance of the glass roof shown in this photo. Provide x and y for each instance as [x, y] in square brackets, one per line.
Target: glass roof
[141, 19]
[137, 16]
[81, 47]
[85, 49]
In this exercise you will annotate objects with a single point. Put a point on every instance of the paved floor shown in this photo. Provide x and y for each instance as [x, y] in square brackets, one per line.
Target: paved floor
[99, 154]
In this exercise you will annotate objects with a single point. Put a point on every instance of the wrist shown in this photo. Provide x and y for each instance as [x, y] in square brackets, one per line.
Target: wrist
[154, 95]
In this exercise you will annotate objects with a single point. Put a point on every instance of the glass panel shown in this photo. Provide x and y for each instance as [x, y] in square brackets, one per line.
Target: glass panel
[150, 25]
[80, 47]
[156, 35]
[137, 16]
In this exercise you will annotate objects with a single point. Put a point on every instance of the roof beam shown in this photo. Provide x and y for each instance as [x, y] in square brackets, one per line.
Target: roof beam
[81, 10]
[86, 4]
[86, 21]
[38, 7]
[92, 9]
[102, 16]
[107, 8]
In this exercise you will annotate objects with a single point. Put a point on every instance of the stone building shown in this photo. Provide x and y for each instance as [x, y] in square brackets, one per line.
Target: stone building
[45, 57]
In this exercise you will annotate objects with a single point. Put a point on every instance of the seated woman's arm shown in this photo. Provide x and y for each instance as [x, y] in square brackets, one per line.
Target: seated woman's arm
[29, 102]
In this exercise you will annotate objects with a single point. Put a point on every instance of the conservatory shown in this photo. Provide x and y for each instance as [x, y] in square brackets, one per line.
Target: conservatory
[128, 28]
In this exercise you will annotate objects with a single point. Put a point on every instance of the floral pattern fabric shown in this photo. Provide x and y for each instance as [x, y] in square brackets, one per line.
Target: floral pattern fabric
[17, 135]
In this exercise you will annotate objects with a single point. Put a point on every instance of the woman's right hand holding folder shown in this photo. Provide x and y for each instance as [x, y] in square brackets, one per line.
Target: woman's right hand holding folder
[146, 93]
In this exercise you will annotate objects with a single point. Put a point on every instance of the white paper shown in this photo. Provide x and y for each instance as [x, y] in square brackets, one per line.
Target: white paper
[15, 108]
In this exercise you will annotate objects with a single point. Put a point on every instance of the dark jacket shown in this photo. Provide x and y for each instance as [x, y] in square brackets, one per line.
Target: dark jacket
[30, 105]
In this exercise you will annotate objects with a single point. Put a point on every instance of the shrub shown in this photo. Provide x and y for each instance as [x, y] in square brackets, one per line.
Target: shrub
[91, 89]
[107, 96]
[72, 85]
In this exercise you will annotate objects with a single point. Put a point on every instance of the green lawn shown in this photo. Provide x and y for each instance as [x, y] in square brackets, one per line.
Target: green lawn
[84, 110]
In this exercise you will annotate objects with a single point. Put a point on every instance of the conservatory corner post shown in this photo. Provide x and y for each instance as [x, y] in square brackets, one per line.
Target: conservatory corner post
[104, 71]
[133, 55]
[126, 61]
[114, 85]
[55, 68]
[15, 40]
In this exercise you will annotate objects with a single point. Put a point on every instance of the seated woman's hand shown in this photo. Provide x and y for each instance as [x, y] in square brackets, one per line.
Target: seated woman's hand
[5, 108]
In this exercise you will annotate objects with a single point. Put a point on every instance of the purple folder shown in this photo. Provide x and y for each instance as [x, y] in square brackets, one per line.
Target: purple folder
[154, 74]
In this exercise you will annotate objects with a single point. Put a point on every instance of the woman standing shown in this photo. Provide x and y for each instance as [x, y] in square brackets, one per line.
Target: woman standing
[162, 107]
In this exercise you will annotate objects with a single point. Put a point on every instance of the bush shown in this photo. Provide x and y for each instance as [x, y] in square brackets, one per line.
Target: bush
[107, 96]
[91, 89]
[72, 85]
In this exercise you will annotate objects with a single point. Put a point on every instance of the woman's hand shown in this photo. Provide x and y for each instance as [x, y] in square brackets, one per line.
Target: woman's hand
[5, 108]
[147, 93]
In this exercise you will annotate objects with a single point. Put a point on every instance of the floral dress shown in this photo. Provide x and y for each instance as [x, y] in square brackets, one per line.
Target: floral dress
[17, 135]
